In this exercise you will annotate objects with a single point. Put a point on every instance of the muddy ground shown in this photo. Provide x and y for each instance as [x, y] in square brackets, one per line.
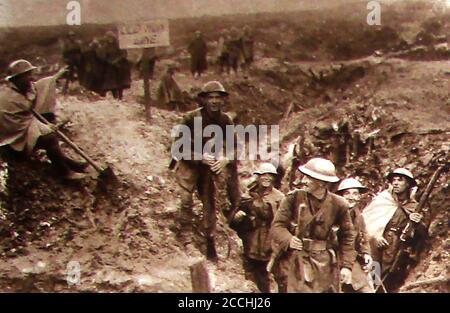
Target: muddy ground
[316, 74]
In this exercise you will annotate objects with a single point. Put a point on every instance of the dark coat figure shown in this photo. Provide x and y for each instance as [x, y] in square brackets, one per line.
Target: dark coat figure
[117, 75]
[359, 276]
[259, 207]
[71, 52]
[314, 269]
[198, 51]
[169, 93]
[92, 69]
[223, 57]
[234, 46]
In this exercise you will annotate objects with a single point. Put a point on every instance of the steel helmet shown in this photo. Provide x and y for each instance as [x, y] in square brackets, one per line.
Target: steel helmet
[402, 172]
[350, 183]
[321, 169]
[212, 86]
[266, 168]
[19, 67]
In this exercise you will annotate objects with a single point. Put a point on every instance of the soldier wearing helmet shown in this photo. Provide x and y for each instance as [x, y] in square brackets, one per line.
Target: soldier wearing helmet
[386, 217]
[21, 131]
[304, 258]
[252, 222]
[213, 175]
[351, 189]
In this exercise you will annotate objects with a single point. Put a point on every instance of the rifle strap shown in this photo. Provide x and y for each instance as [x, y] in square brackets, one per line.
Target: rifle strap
[297, 202]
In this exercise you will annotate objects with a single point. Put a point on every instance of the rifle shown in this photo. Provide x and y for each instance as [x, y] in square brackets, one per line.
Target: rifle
[424, 197]
[275, 256]
[422, 201]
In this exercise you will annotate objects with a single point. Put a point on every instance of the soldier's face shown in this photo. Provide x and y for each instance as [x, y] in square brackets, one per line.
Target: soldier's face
[214, 101]
[400, 184]
[312, 185]
[266, 180]
[24, 80]
[352, 196]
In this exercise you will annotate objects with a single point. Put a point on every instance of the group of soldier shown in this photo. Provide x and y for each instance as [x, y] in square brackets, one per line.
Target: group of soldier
[235, 48]
[310, 240]
[99, 64]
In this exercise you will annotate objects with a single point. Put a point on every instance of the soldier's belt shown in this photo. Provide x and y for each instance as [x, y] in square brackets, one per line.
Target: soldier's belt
[310, 245]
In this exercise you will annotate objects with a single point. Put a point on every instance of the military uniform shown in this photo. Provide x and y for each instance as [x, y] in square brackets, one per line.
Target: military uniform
[315, 268]
[71, 51]
[92, 69]
[19, 128]
[254, 231]
[117, 72]
[198, 51]
[360, 280]
[248, 48]
[223, 55]
[234, 45]
[392, 232]
[193, 174]
[169, 93]
[23, 133]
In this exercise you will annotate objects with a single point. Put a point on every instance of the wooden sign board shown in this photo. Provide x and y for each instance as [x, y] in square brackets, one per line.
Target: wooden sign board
[153, 33]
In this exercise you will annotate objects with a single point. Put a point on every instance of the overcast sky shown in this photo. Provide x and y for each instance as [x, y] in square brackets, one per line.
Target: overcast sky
[53, 12]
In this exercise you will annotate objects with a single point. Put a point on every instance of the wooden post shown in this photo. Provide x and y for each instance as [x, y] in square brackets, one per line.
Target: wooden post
[200, 278]
[146, 77]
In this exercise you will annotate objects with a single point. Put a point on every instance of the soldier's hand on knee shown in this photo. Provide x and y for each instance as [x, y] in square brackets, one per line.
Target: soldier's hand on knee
[415, 217]
[346, 276]
[296, 243]
[382, 242]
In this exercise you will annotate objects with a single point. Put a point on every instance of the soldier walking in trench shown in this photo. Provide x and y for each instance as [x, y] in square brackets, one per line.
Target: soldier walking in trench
[351, 190]
[209, 175]
[386, 217]
[304, 258]
[252, 222]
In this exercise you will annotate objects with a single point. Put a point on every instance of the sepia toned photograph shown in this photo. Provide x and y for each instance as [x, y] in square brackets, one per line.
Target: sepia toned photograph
[247, 147]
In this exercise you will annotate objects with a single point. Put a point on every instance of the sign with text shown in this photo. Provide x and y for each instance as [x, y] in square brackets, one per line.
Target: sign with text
[153, 33]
